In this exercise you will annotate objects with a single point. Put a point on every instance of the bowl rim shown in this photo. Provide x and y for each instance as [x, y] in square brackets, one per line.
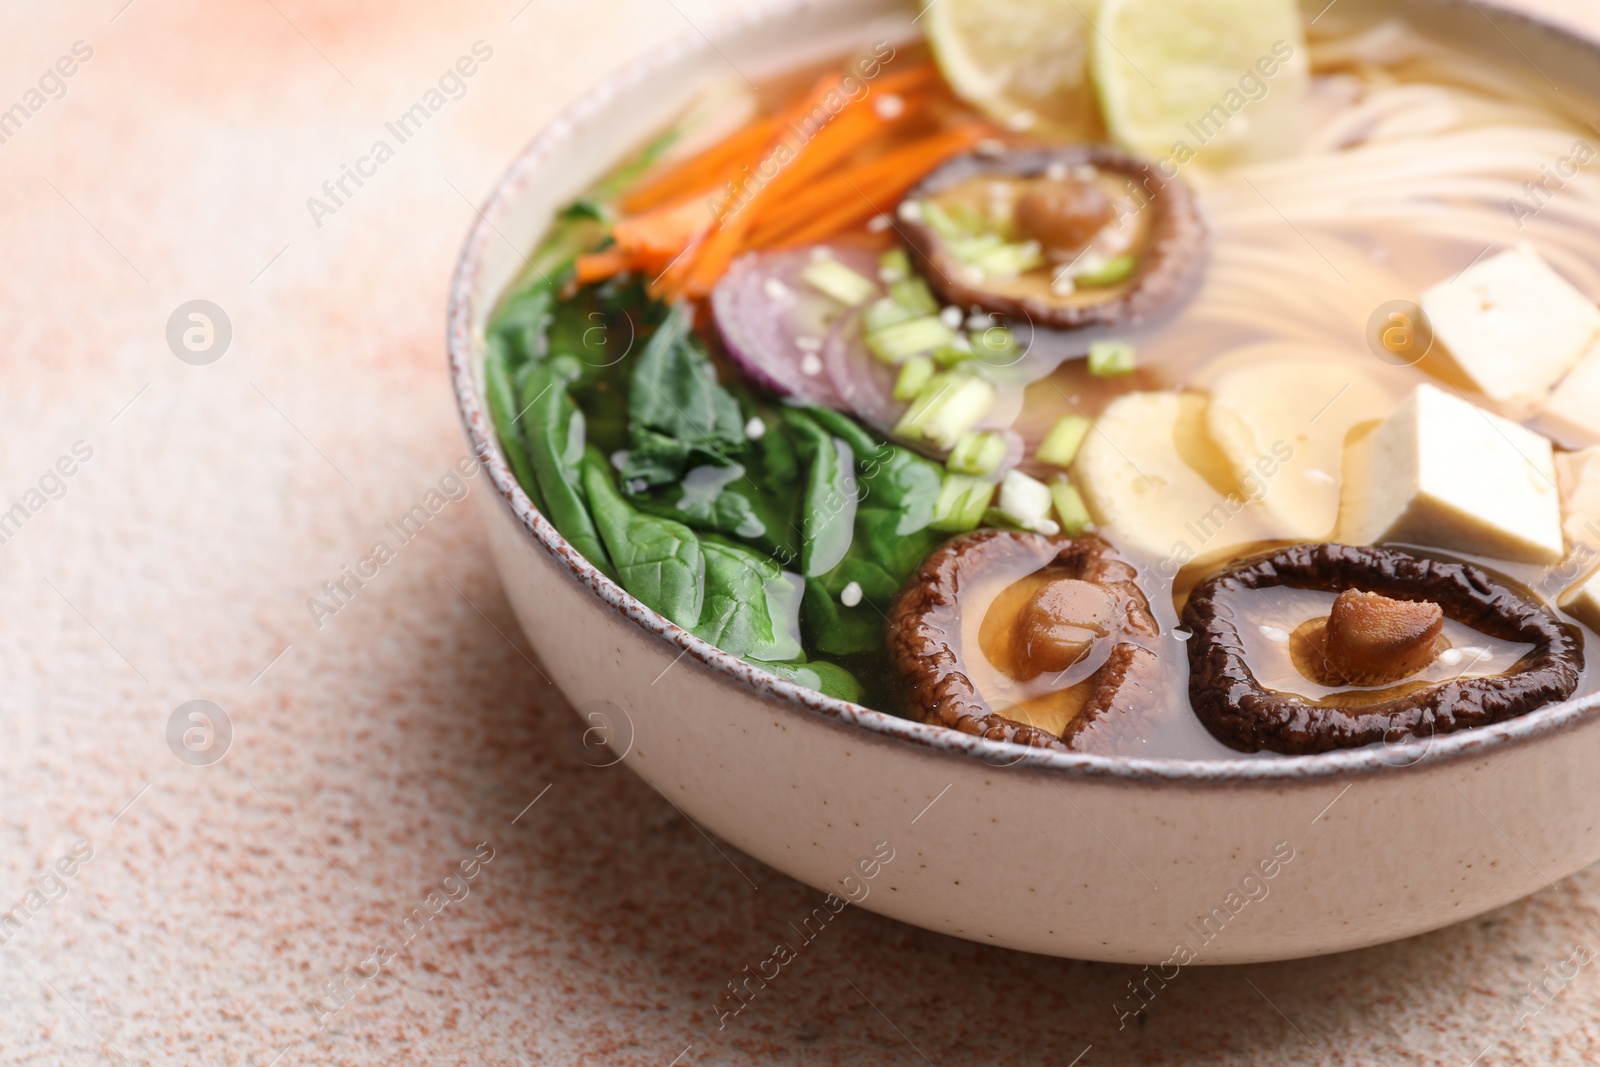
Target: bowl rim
[463, 354]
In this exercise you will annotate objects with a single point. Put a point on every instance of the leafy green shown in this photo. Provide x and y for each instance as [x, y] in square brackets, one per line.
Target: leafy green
[675, 394]
[850, 431]
[523, 325]
[657, 560]
[554, 429]
[725, 500]
[752, 606]
[826, 678]
[893, 534]
[501, 396]
[828, 521]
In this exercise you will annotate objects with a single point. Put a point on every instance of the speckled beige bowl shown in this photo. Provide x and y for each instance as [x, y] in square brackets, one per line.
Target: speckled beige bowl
[1166, 863]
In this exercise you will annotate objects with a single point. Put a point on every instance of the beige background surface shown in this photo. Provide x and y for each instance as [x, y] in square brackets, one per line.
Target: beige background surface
[374, 752]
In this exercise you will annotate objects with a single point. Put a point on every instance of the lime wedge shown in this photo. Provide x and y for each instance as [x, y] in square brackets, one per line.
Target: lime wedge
[1217, 79]
[1025, 63]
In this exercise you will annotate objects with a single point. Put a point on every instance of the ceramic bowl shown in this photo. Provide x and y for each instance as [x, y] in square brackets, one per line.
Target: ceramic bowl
[1165, 863]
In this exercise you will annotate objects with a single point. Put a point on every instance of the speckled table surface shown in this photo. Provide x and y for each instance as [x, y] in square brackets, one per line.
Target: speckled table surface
[176, 519]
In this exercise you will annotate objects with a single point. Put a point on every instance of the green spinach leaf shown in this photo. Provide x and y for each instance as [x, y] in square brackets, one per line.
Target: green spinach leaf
[829, 515]
[752, 606]
[501, 396]
[892, 535]
[826, 678]
[657, 560]
[674, 393]
[524, 325]
[554, 428]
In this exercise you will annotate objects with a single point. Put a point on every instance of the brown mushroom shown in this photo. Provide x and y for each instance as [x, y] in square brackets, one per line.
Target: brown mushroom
[1063, 237]
[1013, 636]
[1384, 632]
[1368, 639]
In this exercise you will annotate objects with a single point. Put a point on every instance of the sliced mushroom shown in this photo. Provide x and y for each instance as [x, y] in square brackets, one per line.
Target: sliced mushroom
[1043, 641]
[1384, 631]
[1062, 237]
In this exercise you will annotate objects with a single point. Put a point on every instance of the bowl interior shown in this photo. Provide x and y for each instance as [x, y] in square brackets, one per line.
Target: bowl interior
[623, 111]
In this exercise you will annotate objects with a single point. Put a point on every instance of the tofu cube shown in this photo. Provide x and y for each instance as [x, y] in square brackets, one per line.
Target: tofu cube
[1574, 408]
[1444, 473]
[1578, 477]
[1582, 601]
[1513, 325]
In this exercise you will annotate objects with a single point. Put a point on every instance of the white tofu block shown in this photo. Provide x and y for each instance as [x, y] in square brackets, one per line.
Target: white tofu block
[1444, 473]
[1578, 477]
[1574, 408]
[1513, 325]
[1582, 601]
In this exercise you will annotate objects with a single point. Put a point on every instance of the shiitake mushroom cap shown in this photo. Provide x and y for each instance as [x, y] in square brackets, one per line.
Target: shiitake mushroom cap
[1242, 714]
[924, 627]
[1169, 260]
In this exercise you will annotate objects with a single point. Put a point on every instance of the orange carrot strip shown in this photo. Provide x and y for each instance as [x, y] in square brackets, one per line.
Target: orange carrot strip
[597, 266]
[706, 170]
[865, 188]
[905, 80]
[664, 232]
[842, 135]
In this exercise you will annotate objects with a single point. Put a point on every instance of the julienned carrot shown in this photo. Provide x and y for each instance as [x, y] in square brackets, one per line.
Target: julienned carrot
[664, 232]
[708, 170]
[862, 190]
[905, 80]
[597, 266]
[846, 132]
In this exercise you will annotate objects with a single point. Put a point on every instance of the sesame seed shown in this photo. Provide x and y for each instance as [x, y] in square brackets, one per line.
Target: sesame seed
[811, 366]
[951, 317]
[755, 429]
[806, 343]
[879, 223]
[776, 291]
[910, 211]
[850, 595]
[889, 106]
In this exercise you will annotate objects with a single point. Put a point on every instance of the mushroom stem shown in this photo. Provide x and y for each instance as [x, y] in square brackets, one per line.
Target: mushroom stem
[1370, 640]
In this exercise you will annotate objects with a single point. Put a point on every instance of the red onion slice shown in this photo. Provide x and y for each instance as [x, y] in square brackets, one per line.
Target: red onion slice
[775, 325]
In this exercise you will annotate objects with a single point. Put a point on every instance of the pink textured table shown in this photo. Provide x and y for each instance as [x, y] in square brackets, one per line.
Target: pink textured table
[402, 855]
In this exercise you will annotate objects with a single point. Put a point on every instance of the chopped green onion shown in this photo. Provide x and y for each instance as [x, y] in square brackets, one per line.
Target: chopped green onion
[894, 265]
[977, 452]
[913, 293]
[1070, 508]
[993, 342]
[1109, 273]
[996, 517]
[1060, 446]
[970, 249]
[1025, 500]
[961, 503]
[913, 337]
[939, 220]
[947, 407]
[915, 374]
[1008, 260]
[832, 278]
[886, 312]
[1109, 358]
[950, 355]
